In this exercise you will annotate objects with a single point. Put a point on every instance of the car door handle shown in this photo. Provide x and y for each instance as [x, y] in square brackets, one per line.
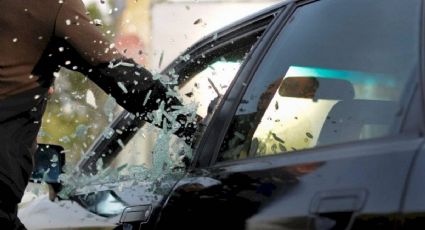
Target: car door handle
[335, 209]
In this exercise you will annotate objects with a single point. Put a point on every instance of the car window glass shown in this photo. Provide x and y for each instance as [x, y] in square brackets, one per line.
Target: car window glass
[339, 71]
[209, 84]
[205, 83]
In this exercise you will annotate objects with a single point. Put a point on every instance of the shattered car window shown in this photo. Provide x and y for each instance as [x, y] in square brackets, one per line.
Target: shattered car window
[140, 151]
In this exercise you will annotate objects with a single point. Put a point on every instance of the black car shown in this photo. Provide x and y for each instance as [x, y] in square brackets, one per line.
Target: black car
[320, 128]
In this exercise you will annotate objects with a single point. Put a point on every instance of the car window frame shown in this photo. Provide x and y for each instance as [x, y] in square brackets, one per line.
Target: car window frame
[209, 145]
[233, 100]
[422, 67]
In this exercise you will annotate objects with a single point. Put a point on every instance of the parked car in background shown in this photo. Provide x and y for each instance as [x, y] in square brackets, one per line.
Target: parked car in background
[320, 127]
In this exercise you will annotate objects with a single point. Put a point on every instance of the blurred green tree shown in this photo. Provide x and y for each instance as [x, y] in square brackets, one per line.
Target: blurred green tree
[78, 111]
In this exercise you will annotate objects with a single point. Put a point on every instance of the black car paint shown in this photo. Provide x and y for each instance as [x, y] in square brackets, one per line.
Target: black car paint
[281, 190]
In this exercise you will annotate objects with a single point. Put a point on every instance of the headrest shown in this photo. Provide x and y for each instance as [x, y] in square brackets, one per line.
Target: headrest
[316, 88]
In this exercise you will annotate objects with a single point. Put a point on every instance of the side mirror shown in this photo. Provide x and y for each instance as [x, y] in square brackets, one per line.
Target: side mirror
[49, 161]
[103, 203]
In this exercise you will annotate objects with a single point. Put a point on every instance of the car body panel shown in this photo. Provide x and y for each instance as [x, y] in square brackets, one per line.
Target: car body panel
[281, 190]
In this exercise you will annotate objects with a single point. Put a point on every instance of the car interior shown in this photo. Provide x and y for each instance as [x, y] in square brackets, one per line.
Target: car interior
[310, 107]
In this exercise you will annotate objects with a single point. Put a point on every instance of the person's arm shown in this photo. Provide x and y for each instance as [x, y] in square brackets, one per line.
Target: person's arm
[85, 49]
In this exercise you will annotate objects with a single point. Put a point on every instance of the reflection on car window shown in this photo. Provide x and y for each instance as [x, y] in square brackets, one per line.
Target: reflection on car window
[305, 108]
[324, 82]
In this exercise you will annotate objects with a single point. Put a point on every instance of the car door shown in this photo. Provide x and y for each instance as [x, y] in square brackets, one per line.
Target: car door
[203, 74]
[413, 206]
[317, 131]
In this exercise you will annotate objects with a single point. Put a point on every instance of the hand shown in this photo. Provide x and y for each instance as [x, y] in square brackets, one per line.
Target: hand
[51, 90]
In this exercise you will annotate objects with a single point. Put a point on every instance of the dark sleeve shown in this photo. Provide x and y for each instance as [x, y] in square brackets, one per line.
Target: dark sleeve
[123, 79]
[135, 89]
[132, 86]
[82, 47]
